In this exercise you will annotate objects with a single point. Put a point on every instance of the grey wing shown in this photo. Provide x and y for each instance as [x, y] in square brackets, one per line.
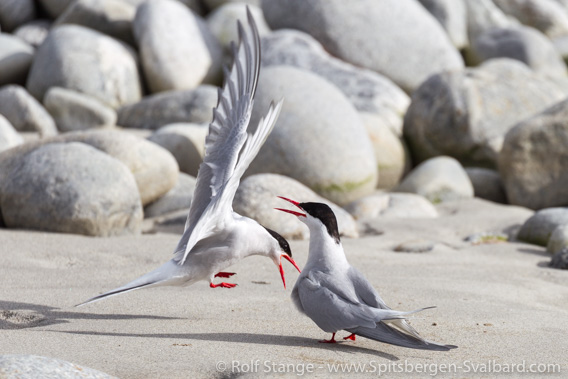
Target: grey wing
[364, 290]
[227, 131]
[329, 310]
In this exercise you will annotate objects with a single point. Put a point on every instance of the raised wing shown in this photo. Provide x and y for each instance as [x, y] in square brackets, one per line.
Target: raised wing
[224, 163]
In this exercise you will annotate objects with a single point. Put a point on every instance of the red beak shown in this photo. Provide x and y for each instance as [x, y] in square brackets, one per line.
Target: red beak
[282, 270]
[299, 214]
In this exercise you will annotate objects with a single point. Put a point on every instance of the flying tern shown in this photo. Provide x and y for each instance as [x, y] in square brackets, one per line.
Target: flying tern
[336, 296]
[215, 236]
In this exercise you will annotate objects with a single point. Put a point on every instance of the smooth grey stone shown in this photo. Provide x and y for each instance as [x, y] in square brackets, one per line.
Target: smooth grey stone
[487, 184]
[177, 51]
[212, 4]
[84, 60]
[257, 197]
[466, 114]
[539, 227]
[558, 239]
[533, 160]
[153, 112]
[483, 15]
[69, 188]
[111, 17]
[179, 197]
[186, 142]
[438, 179]
[73, 110]
[24, 112]
[14, 13]
[368, 91]
[9, 137]
[548, 16]
[35, 366]
[452, 15]
[16, 57]
[154, 168]
[396, 205]
[560, 260]
[33, 32]
[55, 7]
[372, 34]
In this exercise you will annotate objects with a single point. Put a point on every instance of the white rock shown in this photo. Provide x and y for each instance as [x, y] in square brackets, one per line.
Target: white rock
[15, 59]
[397, 205]
[24, 112]
[178, 198]
[9, 137]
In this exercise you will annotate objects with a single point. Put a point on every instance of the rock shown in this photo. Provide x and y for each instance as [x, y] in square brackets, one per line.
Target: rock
[438, 179]
[110, 17]
[318, 139]
[415, 246]
[179, 197]
[73, 110]
[153, 112]
[532, 161]
[522, 43]
[186, 142]
[15, 59]
[87, 61]
[33, 32]
[257, 197]
[24, 112]
[487, 184]
[154, 168]
[368, 91]
[465, 114]
[452, 15]
[548, 16]
[560, 260]
[372, 34]
[393, 158]
[558, 239]
[396, 205]
[483, 15]
[55, 7]
[177, 50]
[222, 22]
[70, 188]
[538, 228]
[194, 5]
[35, 366]
[212, 4]
[9, 137]
[14, 13]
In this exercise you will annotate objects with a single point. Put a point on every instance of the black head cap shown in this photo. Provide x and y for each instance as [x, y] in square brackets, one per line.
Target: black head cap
[281, 241]
[324, 213]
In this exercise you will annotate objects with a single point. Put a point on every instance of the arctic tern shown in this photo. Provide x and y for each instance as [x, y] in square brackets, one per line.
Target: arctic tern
[216, 237]
[336, 296]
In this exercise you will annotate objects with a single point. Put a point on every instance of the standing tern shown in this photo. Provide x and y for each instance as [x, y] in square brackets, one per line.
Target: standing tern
[336, 296]
[215, 237]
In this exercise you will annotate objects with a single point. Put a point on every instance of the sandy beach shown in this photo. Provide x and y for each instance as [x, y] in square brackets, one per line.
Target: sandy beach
[498, 302]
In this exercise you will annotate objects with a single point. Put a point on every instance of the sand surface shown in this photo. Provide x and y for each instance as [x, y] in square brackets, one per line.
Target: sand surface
[498, 302]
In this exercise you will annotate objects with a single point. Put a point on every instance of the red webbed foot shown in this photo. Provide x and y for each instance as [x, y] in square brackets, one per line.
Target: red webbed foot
[222, 285]
[223, 274]
[350, 337]
[331, 340]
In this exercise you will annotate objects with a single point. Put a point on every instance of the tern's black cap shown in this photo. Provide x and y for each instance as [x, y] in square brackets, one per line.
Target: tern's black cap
[324, 213]
[281, 241]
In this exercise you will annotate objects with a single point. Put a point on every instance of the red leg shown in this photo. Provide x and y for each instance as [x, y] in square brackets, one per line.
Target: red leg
[351, 337]
[222, 274]
[331, 340]
[222, 285]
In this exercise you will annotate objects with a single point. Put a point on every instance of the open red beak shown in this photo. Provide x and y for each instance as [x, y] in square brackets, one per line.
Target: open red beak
[282, 270]
[299, 214]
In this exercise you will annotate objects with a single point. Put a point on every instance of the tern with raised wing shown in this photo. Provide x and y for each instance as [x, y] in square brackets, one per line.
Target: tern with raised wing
[216, 237]
[336, 296]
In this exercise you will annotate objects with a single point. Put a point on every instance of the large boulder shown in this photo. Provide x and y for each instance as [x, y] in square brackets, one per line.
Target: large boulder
[395, 205]
[154, 168]
[533, 160]
[110, 17]
[373, 34]
[368, 91]
[165, 108]
[87, 61]
[178, 198]
[24, 112]
[14, 13]
[466, 114]
[176, 48]
[35, 366]
[257, 197]
[55, 8]
[318, 139]
[69, 188]
[452, 15]
[487, 184]
[15, 59]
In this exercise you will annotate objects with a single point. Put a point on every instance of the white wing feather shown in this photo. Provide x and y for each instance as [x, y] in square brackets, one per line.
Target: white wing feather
[222, 166]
